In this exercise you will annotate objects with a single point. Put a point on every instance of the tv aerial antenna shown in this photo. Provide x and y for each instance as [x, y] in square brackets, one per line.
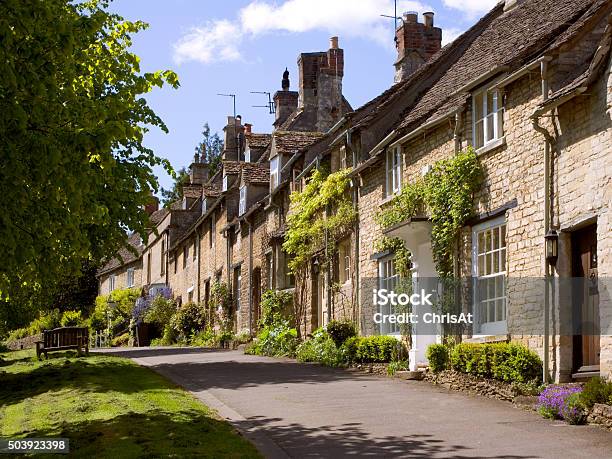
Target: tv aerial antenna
[395, 17]
[233, 96]
[269, 106]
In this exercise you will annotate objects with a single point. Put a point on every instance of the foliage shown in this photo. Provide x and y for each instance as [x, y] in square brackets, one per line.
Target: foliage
[320, 348]
[119, 310]
[204, 338]
[309, 221]
[552, 399]
[121, 340]
[371, 349]
[45, 321]
[160, 312]
[145, 414]
[210, 149]
[340, 330]
[396, 366]
[189, 318]
[243, 337]
[71, 319]
[175, 194]
[530, 388]
[274, 306]
[446, 193]
[597, 390]
[275, 340]
[72, 125]
[438, 357]
[504, 361]
[401, 254]
[573, 410]
[220, 305]
[18, 333]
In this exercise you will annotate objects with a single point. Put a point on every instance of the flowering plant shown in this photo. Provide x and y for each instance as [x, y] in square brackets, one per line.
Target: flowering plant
[553, 399]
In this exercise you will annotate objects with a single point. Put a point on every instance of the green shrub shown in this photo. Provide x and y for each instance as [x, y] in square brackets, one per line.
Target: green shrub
[596, 390]
[394, 367]
[275, 341]
[188, 319]
[371, 349]
[573, 410]
[321, 348]
[503, 361]
[18, 333]
[45, 321]
[205, 338]
[3, 348]
[71, 319]
[160, 311]
[243, 337]
[121, 340]
[438, 357]
[120, 313]
[340, 331]
[274, 307]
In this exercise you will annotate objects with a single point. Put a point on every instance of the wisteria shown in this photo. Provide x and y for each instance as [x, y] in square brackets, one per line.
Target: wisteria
[143, 303]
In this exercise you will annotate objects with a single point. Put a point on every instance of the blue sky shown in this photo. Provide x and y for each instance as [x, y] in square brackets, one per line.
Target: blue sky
[238, 46]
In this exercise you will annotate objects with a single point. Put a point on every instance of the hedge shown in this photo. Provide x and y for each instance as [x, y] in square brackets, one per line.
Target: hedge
[371, 349]
[503, 361]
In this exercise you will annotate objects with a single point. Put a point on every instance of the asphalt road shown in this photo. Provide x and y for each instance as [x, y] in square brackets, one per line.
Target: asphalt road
[303, 410]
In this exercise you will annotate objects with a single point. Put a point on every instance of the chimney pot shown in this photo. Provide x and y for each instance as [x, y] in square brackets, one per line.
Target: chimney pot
[333, 43]
[247, 128]
[429, 19]
[410, 16]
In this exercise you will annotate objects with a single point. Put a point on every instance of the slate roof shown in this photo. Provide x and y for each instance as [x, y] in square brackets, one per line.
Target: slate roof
[192, 191]
[124, 255]
[157, 216]
[258, 141]
[512, 38]
[290, 142]
[231, 167]
[256, 173]
[211, 191]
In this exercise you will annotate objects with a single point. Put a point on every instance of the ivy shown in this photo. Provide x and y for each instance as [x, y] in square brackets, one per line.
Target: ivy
[446, 194]
[401, 254]
[323, 207]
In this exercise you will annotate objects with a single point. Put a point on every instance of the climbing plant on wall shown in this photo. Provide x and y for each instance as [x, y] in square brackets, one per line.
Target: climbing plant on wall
[446, 194]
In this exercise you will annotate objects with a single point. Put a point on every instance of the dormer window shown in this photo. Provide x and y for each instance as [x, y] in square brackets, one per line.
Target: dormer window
[242, 204]
[225, 182]
[247, 155]
[274, 172]
[394, 170]
[488, 117]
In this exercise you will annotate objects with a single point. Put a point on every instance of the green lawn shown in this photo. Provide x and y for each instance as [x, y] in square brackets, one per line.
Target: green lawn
[109, 407]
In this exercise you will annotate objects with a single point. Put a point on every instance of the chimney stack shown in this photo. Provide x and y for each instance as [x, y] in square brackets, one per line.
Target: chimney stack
[231, 130]
[198, 170]
[285, 101]
[320, 86]
[415, 43]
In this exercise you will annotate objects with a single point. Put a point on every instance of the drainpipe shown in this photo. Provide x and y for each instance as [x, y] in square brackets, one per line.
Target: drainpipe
[250, 276]
[199, 257]
[547, 219]
[349, 144]
[457, 132]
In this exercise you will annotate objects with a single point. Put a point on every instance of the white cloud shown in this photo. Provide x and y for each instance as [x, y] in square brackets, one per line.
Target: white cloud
[215, 41]
[220, 40]
[472, 8]
[450, 34]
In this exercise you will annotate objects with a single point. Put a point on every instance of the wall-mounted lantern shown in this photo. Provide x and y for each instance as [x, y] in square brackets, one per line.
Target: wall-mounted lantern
[552, 246]
[315, 267]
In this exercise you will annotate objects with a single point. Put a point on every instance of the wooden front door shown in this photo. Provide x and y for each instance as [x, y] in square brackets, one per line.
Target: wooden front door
[585, 300]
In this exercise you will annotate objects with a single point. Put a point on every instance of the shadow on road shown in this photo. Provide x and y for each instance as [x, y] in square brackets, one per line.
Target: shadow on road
[352, 440]
[141, 352]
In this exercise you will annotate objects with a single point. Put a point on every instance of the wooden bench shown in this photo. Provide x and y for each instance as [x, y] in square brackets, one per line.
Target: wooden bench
[63, 339]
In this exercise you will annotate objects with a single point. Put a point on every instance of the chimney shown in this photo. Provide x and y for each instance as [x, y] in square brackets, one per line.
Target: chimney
[198, 170]
[152, 205]
[415, 43]
[230, 145]
[285, 101]
[247, 128]
[320, 86]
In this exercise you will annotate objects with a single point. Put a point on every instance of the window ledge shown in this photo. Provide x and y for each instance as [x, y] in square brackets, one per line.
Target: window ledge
[387, 200]
[480, 339]
[491, 146]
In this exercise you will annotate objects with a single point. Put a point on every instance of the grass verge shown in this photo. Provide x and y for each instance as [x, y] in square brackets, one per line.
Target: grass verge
[109, 407]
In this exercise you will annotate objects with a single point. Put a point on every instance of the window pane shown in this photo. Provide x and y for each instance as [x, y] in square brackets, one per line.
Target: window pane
[490, 127]
[488, 240]
[481, 263]
[481, 242]
[503, 235]
[479, 134]
[495, 238]
[503, 260]
[478, 115]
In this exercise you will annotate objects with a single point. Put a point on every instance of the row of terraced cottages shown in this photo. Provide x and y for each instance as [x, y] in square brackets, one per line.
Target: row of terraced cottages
[528, 87]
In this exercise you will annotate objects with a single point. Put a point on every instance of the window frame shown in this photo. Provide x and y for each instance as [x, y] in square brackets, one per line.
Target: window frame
[247, 155]
[111, 283]
[162, 268]
[393, 171]
[498, 326]
[225, 184]
[497, 114]
[130, 277]
[344, 261]
[274, 172]
[242, 201]
[238, 286]
[389, 282]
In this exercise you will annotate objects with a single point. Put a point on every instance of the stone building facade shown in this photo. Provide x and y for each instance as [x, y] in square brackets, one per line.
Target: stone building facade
[528, 87]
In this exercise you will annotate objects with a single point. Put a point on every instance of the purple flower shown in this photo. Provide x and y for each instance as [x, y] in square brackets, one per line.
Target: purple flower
[552, 400]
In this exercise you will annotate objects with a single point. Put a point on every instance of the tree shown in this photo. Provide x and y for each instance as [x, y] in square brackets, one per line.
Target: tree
[210, 149]
[176, 192]
[75, 174]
